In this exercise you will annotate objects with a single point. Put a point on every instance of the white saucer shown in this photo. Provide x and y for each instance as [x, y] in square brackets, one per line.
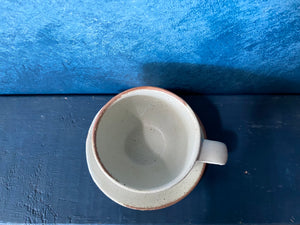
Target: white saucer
[142, 201]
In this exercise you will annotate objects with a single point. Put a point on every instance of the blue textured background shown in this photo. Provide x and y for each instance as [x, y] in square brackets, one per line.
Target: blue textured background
[90, 46]
[44, 176]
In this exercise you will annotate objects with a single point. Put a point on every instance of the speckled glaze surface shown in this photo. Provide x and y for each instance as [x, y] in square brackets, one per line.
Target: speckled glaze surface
[142, 201]
[170, 192]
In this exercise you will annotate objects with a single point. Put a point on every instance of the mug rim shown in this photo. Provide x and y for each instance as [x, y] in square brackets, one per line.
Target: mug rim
[100, 114]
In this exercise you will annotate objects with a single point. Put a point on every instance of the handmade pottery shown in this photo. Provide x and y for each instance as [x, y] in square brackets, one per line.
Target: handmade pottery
[147, 142]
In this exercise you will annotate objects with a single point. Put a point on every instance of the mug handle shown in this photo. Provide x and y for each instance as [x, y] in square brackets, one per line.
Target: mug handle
[213, 152]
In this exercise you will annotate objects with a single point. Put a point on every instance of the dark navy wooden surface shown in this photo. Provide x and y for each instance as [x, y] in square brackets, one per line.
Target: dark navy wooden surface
[44, 176]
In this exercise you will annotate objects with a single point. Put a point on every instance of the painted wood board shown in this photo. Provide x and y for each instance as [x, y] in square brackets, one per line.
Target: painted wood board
[44, 176]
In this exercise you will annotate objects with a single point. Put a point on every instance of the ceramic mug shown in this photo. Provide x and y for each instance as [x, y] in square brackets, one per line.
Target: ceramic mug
[147, 139]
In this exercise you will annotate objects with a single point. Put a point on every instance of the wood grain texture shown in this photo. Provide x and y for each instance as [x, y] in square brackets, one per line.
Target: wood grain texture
[53, 46]
[44, 176]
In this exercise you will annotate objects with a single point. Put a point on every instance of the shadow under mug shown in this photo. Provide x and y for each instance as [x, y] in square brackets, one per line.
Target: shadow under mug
[147, 139]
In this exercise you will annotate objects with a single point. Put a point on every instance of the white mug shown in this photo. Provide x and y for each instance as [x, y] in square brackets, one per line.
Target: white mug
[147, 140]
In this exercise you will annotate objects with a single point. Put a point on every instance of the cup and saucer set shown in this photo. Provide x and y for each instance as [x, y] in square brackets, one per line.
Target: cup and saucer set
[146, 149]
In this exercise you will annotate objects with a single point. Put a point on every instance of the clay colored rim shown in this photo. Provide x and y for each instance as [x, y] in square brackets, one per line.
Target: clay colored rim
[156, 207]
[170, 203]
[187, 193]
[95, 128]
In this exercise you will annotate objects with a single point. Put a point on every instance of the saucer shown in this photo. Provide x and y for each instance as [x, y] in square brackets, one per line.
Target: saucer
[142, 201]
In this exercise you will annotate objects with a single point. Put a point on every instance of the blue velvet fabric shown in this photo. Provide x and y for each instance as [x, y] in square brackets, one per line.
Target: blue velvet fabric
[59, 46]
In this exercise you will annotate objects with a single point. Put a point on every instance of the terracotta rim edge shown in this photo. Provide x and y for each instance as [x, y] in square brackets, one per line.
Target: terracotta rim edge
[186, 194]
[95, 128]
[170, 203]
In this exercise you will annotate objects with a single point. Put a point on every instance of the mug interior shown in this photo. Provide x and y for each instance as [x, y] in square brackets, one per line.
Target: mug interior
[147, 139]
